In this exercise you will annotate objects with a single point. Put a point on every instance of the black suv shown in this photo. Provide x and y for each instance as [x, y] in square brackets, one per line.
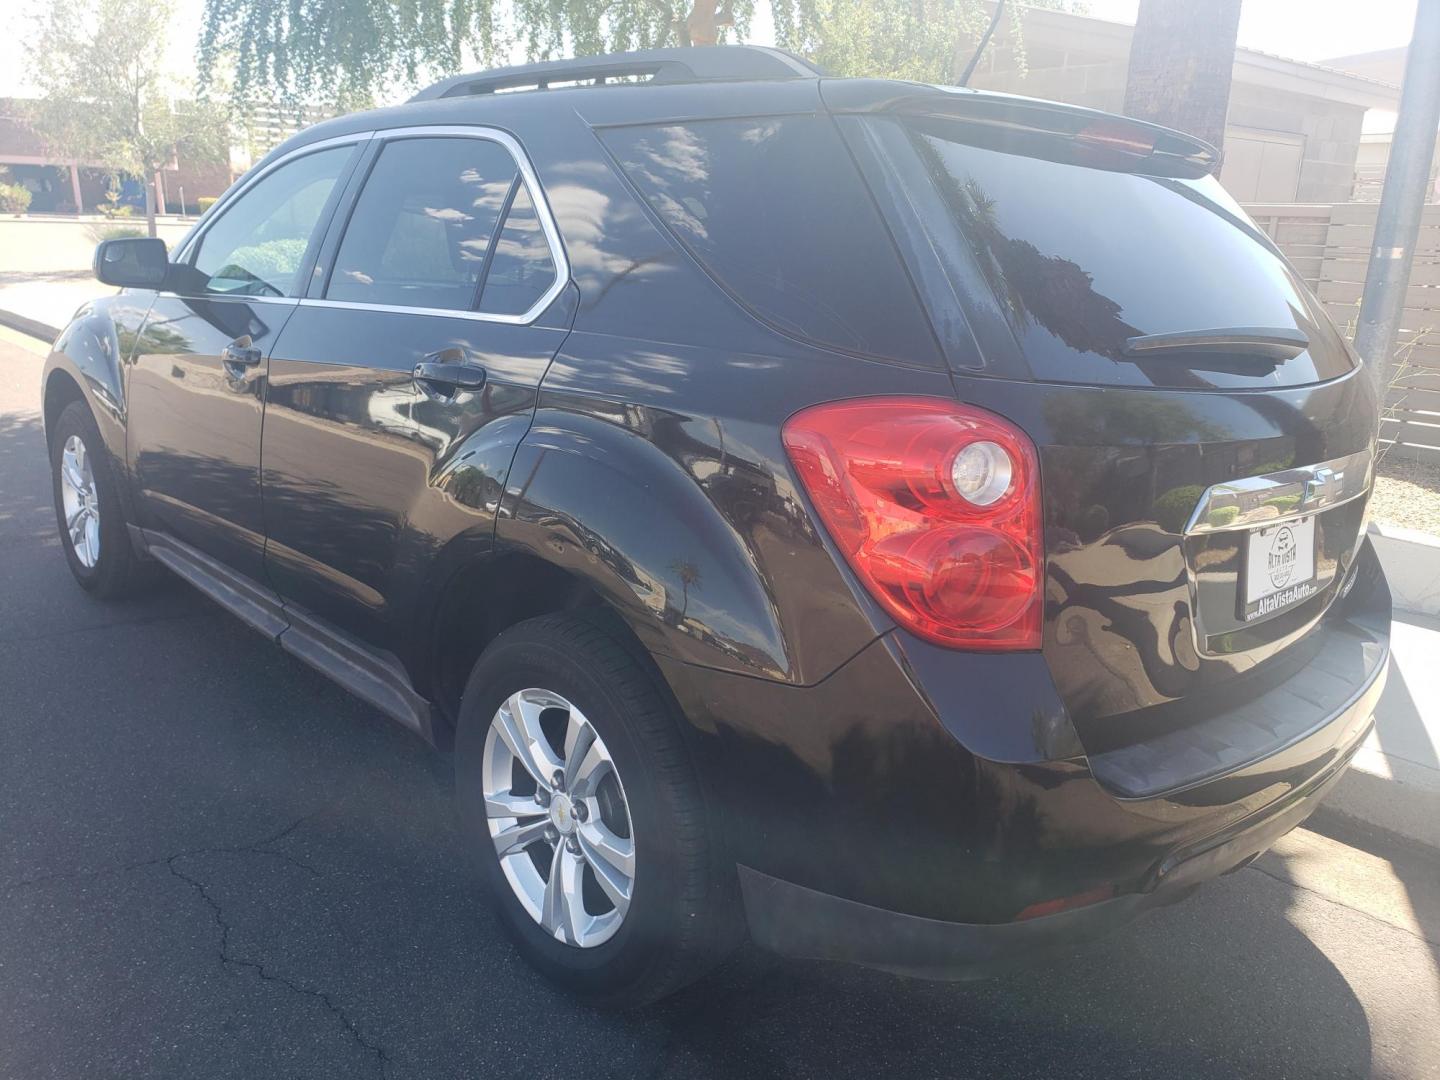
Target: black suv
[911, 526]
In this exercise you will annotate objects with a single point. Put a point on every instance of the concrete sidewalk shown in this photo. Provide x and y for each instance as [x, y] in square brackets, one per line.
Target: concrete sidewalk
[1394, 781]
[47, 302]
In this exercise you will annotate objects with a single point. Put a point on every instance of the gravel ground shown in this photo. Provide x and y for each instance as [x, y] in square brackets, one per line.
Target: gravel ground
[1407, 494]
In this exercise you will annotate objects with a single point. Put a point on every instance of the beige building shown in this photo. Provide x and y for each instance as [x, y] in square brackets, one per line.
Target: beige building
[1387, 65]
[1294, 130]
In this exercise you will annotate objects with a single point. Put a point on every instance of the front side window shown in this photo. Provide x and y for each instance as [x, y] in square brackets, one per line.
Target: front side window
[424, 225]
[256, 247]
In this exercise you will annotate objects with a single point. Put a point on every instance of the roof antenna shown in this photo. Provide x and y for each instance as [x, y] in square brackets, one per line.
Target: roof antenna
[984, 40]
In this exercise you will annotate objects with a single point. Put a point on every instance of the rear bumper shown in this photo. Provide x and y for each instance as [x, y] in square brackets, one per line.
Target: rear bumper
[804, 923]
[911, 811]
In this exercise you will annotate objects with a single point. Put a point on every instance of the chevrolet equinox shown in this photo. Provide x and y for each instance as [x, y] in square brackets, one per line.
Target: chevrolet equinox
[909, 526]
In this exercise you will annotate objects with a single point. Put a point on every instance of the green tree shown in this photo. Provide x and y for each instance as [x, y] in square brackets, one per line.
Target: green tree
[342, 52]
[924, 40]
[105, 97]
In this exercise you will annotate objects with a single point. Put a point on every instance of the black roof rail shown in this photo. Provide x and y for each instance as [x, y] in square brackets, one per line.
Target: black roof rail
[705, 63]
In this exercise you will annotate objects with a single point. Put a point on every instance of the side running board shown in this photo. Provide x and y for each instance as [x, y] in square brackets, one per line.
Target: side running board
[374, 677]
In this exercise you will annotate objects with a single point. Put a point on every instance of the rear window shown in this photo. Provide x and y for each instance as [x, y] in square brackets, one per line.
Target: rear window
[774, 209]
[1082, 259]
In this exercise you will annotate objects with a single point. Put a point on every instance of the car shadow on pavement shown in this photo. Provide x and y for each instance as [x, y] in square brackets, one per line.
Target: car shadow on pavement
[242, 871]
[26, 513]
[1220, 986]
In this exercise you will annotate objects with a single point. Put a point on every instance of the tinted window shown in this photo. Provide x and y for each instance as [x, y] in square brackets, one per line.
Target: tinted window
[421, 229]
[776, 211]
[256, 246]
[521, 268]
[1082, 259]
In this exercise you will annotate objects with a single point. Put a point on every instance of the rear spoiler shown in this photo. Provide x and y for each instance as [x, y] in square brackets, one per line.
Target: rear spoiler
[1034, 127]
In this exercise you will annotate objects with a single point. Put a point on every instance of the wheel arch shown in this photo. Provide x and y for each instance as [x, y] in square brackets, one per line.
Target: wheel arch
[488, 595]
[85, 364]
[481, 600]
[59, 390]
[611, 506]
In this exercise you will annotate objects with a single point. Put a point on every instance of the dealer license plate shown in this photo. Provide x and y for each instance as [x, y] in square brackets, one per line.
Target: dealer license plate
[1279, 568]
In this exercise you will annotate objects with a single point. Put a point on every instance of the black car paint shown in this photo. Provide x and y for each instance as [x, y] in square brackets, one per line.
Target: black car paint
[631, 438]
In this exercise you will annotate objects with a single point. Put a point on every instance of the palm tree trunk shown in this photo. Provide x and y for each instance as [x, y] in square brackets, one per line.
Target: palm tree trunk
[1180, 65]
[705, 21]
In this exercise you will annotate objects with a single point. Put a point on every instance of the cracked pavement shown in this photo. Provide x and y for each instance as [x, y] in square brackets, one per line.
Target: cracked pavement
[215, 864]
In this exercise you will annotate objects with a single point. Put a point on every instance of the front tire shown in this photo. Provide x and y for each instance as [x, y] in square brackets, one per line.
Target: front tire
[88, 513]
[579, 799]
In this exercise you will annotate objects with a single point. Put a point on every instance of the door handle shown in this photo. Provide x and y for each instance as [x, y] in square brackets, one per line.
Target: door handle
[240, 354]
[446, 372]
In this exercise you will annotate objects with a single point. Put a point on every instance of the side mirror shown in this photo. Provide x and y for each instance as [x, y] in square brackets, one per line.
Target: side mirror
[132, 263]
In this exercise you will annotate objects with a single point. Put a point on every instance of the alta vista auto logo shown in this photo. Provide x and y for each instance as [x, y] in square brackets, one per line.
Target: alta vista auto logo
[1283, 556]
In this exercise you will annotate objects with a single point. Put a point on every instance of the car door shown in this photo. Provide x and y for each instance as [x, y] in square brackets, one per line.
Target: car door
[406, 378]
[198, 375]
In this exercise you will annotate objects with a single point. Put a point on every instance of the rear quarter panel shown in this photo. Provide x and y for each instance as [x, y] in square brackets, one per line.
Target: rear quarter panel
[655, 467]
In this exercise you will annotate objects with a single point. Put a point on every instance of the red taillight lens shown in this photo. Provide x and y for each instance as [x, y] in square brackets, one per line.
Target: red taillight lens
[889, 479]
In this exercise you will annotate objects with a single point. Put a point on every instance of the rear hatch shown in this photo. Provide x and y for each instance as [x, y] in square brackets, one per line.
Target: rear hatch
[1205, 435]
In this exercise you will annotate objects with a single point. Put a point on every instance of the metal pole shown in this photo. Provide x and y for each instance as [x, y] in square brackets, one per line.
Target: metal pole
[980, 49]
[1407, 179]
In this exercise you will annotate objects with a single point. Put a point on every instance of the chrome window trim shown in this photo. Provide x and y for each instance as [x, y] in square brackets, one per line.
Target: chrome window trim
[1253, 498]
[467, 131]
[233, 298]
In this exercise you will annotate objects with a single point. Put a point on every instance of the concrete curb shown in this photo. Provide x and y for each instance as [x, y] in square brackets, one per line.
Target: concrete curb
[1392, 794]
[26, 325]
[1412, 566]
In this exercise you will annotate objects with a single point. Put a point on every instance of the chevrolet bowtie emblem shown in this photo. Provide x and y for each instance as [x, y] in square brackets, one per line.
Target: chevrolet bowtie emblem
[1321, 486]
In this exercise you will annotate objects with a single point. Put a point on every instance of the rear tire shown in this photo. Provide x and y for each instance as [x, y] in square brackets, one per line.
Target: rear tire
[88, 513]
[566, 687]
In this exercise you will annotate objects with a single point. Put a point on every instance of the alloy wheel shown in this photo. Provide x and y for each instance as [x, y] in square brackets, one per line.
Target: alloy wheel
[558, 817]
[81, 501]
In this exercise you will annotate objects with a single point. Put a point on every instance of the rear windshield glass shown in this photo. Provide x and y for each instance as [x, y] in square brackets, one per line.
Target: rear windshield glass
[1083, 259]
[777, 213]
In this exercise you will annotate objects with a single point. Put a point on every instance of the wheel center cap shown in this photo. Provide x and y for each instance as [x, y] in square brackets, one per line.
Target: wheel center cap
[562, 814]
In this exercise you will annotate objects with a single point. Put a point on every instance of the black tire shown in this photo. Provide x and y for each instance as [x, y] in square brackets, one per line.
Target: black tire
[117, 571]
[679, 922]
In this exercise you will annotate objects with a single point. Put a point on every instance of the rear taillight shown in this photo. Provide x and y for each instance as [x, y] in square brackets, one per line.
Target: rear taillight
[936, 506]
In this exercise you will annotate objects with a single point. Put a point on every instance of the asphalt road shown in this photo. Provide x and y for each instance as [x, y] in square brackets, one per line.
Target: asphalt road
[215, 864]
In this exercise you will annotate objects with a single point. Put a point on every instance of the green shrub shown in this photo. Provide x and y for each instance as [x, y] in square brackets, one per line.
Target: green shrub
[1174, 507]
[14, 198]
[272, 261]
[122, 232]
[204, 202]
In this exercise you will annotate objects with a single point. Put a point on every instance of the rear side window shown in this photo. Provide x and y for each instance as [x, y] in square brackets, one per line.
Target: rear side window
[774, 209]
[426, 231]
[521, 268]
[1082, 259]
